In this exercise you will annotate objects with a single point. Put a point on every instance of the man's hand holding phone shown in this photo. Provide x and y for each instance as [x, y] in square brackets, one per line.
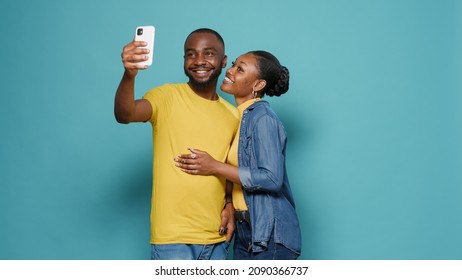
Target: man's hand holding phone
[138, 54]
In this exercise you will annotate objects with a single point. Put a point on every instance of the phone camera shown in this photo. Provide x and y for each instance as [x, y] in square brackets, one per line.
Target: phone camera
[139, 31]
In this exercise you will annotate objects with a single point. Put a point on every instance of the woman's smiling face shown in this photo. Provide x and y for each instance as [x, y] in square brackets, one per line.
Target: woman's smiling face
[242, 78]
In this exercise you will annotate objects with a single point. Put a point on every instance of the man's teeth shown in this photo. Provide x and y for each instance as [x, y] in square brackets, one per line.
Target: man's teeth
[228, 80]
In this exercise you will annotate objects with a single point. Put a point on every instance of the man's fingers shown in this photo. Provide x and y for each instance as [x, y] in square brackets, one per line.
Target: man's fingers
[229, 235]
[223, 226]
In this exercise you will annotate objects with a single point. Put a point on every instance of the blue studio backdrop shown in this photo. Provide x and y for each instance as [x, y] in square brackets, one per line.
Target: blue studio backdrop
[373, 117]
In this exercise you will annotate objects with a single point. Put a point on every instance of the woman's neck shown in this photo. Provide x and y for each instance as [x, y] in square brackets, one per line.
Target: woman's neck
[244, 100]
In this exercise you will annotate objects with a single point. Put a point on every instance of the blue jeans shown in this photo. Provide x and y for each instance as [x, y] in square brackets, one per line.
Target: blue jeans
[243, 251]
[218, 251]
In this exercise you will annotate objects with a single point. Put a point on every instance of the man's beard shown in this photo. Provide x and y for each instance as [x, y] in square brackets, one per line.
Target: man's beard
[210, 80]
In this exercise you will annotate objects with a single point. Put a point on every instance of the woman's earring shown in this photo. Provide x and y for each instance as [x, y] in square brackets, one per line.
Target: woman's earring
[254, 94]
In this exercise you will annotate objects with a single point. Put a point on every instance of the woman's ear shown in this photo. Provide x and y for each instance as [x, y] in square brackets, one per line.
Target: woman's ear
[259, 85]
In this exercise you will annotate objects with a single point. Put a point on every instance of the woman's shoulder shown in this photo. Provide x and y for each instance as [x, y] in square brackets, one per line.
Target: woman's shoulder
[263, 108]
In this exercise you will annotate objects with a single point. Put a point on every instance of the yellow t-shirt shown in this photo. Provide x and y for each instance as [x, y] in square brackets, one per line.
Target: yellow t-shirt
[186, 208]
[238, 196]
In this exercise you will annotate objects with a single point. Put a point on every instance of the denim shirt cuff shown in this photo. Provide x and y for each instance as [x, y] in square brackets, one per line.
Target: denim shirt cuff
[244, 175]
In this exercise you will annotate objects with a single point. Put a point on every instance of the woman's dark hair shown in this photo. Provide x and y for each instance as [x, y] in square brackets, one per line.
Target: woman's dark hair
[275, 75]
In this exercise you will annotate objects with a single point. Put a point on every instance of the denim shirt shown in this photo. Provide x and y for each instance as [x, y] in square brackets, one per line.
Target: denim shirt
[262, 171]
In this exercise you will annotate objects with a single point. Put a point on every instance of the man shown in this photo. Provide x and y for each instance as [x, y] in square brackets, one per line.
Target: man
[185, 213]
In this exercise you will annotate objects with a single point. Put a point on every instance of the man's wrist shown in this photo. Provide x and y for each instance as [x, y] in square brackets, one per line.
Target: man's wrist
[228, 202]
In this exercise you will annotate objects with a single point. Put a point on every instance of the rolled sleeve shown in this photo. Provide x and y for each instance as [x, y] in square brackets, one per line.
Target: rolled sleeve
[245, 177]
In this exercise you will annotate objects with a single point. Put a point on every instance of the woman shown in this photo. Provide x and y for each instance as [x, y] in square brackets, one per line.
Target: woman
[266, 223]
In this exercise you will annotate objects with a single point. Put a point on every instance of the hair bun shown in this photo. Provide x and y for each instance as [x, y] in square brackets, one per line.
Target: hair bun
[282, 84]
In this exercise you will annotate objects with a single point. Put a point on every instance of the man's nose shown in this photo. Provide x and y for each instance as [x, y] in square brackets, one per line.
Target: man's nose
[200, 60]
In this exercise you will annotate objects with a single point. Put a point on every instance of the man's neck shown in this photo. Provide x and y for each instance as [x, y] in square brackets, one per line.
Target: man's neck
[207, 92]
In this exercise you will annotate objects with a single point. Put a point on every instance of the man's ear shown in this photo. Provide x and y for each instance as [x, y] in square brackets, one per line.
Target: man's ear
[259, 85]
[224, 61]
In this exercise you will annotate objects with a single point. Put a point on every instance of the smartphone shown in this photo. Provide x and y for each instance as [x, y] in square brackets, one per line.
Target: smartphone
[147, 34]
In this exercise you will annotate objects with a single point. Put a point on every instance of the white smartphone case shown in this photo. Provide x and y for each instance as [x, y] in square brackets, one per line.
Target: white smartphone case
[147, 34]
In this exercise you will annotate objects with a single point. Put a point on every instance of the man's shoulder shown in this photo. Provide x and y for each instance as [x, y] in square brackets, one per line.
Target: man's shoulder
[229, 107]
[172, 87]
[165, 89]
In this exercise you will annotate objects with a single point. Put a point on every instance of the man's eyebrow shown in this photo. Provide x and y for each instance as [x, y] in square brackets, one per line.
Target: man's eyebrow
[205, 49]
